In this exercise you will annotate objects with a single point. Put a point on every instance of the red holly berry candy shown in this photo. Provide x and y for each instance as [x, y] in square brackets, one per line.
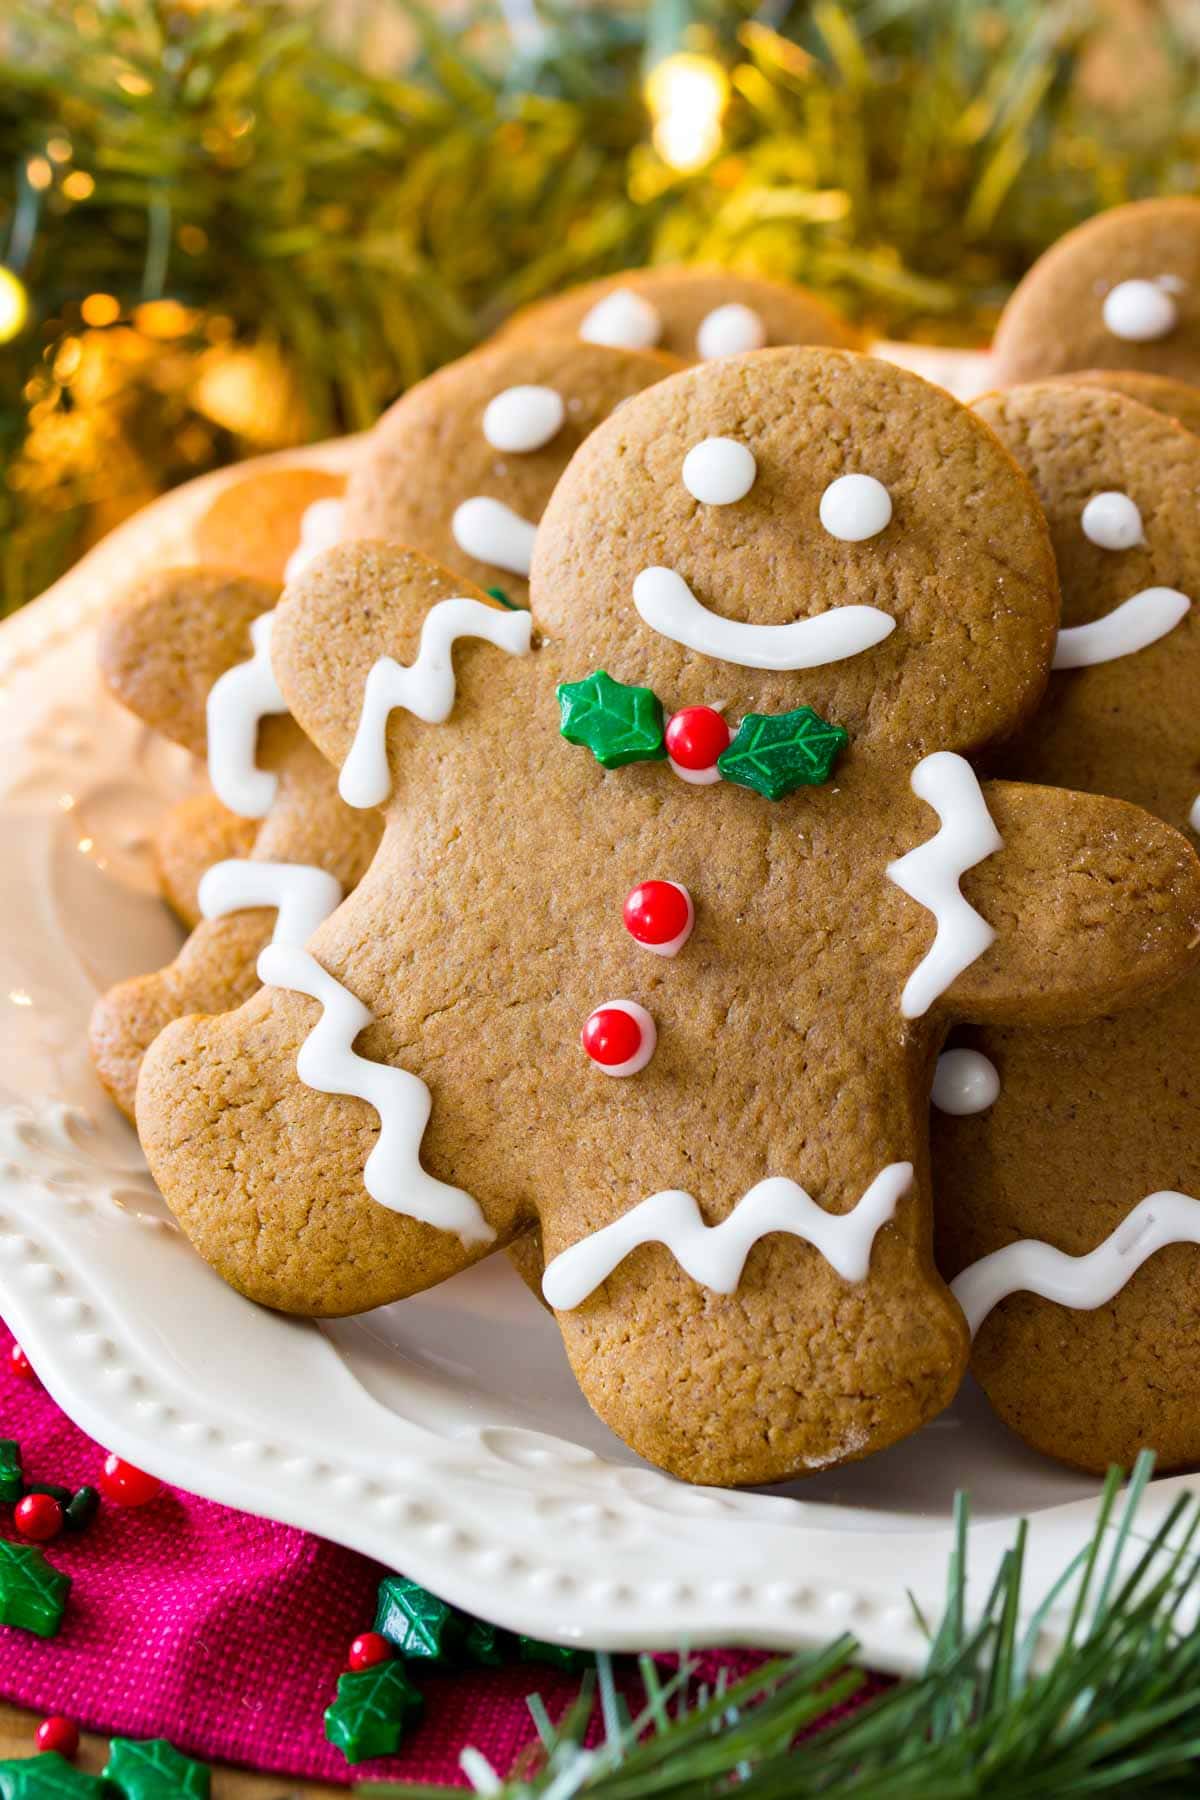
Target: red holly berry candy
[659, 915]
[58, 1733]
[619, 1037]
[369, 1648]
[38, 1517]
[124, 1485]
[696, 736]
[22, 1368]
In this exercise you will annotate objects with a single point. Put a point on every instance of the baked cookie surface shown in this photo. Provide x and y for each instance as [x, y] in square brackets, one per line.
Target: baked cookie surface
[1121, 291]
[734, 1209]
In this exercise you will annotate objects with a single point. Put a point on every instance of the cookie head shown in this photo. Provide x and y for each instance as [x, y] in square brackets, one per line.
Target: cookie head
[806, 527]
[1120, 486]
[695, 313]
[462, 466]
[256, 522]
[1121, 292]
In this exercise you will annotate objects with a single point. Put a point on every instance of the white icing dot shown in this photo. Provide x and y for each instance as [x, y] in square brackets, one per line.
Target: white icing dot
[965, 1082]
[523, 418]
[855, 507]
[1113, 521]
[719, 471]
[729, 330]
[1140, 311]
[493, 533]
[622, 320]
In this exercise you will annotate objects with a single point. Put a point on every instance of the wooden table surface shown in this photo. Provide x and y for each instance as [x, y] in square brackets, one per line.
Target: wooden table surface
[16, 1739]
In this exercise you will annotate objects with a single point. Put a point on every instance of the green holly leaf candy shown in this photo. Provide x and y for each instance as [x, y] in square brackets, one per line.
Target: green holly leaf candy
[416, 1621]
[776, 752]
[12, 1481]
[153, 1769]
[558, 1656]
[81, 1509]
[32, 1593]
[372, 1711]
[618, 724]
[484, 1643]
[47, 1777]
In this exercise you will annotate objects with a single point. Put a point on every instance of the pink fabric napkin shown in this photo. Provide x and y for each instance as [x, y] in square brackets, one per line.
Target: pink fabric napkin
[227, 1633]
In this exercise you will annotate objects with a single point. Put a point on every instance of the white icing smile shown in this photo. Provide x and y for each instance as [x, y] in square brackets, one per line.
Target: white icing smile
[1136, 623]
[667, 604]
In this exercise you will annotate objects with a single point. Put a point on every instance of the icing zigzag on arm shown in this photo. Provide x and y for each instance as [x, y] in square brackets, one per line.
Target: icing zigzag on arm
[238, 700]
[329, 1064]
[715, 1255]
[1084, 1282]
[304, 896]
[930, 875]
[425, 688]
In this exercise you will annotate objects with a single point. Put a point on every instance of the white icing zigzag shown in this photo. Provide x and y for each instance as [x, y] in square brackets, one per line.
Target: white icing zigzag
[329, 1063]
[1084, 1282]
[930, 875]
[425, 688]
[715, 1255]
[237, 701]
[304, 896]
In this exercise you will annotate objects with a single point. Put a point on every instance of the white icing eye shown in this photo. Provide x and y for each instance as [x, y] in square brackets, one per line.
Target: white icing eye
[623, 320]
[523, 418]
[1113, 521]
[719, 471]
[1140, 311]
[855, 507]
[493, 533]
[730, 330]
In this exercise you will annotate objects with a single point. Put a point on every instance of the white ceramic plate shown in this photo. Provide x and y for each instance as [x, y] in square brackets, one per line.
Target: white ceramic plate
[446, 1435]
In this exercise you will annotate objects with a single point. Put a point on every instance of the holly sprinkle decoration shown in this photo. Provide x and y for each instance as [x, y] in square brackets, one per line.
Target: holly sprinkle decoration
[773, 753]
[372, 1711]
[22, 1368]
[696, 736]
[58, 1733]
[47, 1778]
[618, 724]
[32, 1593]
[154, 1769]
[12, 1479]
[419, 1624]
[369, 1648]
[38, 1517]
[659, 916]
[124, 1485]
[620, 1037]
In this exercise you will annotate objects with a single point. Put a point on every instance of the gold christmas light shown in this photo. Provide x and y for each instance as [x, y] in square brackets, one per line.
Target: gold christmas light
[687, 94]
[14, 305]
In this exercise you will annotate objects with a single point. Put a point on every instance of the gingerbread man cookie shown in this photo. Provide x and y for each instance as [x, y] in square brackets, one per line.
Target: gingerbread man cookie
[266, 524]
[193, 835]
[1069, 1203]
[185, 653]
[686, 1027]
[695, 313]
[462, 466]
[1121, 292]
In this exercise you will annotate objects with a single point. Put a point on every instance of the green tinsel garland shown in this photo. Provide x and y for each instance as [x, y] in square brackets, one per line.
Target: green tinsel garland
[331, 229]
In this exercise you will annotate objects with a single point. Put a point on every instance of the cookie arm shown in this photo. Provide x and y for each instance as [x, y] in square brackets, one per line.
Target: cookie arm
[1095, 905]
[171, 637]
[374, 643]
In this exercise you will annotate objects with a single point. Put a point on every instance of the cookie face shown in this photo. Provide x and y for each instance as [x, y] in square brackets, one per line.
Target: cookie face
[880, 544]
[1069, 1198]
[686, 1031]
[1121, 292]
[463, 465]
[697, 314]
[255, 523]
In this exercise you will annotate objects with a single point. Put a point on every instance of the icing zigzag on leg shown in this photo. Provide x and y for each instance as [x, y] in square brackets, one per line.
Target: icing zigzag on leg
[329, 1063]
[715, 1255]
[304, 896]
[237, 702]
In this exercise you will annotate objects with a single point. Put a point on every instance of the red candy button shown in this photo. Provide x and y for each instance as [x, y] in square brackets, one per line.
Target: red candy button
[58, 1733]
[124, 1485]
[22, 1368]
[369, 1648]
[619, 1037]
[696, 736]
[660, 916]
[38, 1517]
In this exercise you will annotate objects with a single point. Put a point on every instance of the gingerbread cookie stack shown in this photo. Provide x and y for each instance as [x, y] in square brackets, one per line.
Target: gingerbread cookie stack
[660, 699]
